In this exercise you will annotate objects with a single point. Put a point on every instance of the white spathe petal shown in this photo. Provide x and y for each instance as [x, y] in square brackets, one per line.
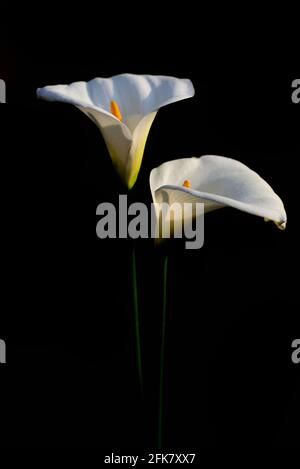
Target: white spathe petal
[217, 182]
[138, 98]
[136, 95]
[117, 137]
[126, 150]
[136, 153]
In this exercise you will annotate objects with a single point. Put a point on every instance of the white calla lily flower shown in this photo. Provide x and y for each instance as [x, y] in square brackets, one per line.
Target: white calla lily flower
[217, 182]
[123, 107]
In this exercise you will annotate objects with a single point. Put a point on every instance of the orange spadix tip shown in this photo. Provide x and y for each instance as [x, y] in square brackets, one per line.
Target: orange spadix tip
[187, 183]
[115, 110]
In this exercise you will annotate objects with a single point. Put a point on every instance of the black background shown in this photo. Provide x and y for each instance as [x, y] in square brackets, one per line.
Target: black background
[233, 308]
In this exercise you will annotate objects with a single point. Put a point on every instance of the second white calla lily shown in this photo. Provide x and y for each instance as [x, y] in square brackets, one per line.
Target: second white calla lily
[217, 182]
[123, 107]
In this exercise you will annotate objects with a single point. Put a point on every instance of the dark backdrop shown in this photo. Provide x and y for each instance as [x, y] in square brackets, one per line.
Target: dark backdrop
[233, 307]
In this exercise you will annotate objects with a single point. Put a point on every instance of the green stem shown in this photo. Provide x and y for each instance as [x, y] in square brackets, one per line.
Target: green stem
[162, 353]
[136, 319]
